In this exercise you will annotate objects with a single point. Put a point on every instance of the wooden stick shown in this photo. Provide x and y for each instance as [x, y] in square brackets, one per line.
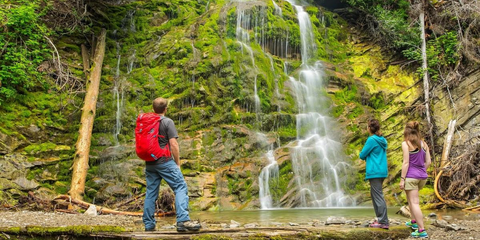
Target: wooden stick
[472, 209]
[102, 210]
[130, 200]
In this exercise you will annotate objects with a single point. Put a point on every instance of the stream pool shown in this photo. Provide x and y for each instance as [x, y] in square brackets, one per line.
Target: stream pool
[304, 215]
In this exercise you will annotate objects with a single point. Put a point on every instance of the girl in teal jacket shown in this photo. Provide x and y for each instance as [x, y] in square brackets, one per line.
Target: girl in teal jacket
[375, 154]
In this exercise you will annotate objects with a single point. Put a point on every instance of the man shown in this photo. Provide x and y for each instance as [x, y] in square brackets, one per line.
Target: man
[167, 168]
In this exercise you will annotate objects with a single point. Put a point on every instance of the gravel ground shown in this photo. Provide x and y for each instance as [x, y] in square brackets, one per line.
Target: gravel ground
[51, 219]
[470, 228]
[470, 231]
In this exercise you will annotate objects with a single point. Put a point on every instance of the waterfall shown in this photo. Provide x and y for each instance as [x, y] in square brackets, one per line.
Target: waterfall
[128, 26]
[131, 61]
[243, 38]
[268, 172]
[317, 158]
[118, 96]
[278, 10]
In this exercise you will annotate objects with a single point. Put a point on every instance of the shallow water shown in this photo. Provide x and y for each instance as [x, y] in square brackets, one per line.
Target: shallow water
[299, 215]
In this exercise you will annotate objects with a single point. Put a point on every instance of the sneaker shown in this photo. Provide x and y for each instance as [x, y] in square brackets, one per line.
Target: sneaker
[417, 234]
[379, 225]
[188, 226]
[414, 226]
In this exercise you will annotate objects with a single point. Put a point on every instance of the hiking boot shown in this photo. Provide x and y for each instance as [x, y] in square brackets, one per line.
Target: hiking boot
[417, 234]
[188, 226]
[379, 225]
[414, 226]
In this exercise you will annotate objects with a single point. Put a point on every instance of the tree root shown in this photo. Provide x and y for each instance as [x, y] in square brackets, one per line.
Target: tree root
[457, 182]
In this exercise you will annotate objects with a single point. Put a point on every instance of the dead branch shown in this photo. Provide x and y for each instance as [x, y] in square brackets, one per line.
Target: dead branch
[448, 142]
[472, 209]
[102, 210]
[129, 200]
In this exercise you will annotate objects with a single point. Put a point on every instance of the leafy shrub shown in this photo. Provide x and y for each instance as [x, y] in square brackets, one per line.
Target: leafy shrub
[23, 48]
[441, 52]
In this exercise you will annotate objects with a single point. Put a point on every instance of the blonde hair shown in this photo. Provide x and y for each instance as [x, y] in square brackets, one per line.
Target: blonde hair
[412, 133]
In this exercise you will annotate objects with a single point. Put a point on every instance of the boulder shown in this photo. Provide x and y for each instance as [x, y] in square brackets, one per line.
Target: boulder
[25, 184]
[6, 184]
[335, 220]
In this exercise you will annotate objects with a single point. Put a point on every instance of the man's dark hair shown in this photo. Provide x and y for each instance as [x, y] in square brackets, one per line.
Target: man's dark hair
[160, 105]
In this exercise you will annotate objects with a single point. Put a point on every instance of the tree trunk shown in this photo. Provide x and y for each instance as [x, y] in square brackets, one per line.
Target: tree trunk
[448, 142]
[80, 163]
[426, 86]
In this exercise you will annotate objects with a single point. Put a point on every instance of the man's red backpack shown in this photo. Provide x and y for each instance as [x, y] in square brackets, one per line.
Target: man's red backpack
[146, 138]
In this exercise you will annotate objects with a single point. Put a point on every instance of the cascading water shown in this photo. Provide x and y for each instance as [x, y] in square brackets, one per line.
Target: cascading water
[131, 61]
[128, 25]
[268, 172]
[317, 158]
[243, 38]
[118, 96]
[278, 10]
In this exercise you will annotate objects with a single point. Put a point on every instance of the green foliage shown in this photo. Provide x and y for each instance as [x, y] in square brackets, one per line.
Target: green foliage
[347, 94]
[355, 112]
[441, 53]
[24, 47]
[391, 22]
[377, 101]
[338, 110]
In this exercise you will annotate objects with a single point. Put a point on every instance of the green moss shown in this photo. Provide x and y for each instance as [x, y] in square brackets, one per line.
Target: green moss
[80, 230]
[347, 94]
[355, 112]
[377, 101]
[338, 110]
[210, 237]
[61, 187]
[38, 149]
[278, 187]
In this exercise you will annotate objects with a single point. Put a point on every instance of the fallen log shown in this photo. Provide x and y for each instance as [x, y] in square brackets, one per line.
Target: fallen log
[80, 162]
[102, 210]
[475, 209]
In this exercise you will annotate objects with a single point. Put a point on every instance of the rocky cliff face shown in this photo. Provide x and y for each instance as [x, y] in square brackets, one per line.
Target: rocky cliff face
[460, 102]
[230, 98]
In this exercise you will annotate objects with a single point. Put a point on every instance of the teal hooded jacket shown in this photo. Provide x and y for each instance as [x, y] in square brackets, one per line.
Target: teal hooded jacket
[375, 154]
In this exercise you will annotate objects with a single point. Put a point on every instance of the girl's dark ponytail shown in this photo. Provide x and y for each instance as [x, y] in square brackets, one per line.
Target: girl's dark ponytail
[374, 127]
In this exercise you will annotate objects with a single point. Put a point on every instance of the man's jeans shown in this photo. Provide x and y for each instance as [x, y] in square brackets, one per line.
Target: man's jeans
[174, 178]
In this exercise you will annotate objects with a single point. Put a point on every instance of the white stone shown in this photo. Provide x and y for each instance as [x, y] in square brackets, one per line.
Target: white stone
[92, 210]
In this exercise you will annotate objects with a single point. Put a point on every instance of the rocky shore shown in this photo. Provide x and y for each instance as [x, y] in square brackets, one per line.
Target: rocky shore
[27, 223]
